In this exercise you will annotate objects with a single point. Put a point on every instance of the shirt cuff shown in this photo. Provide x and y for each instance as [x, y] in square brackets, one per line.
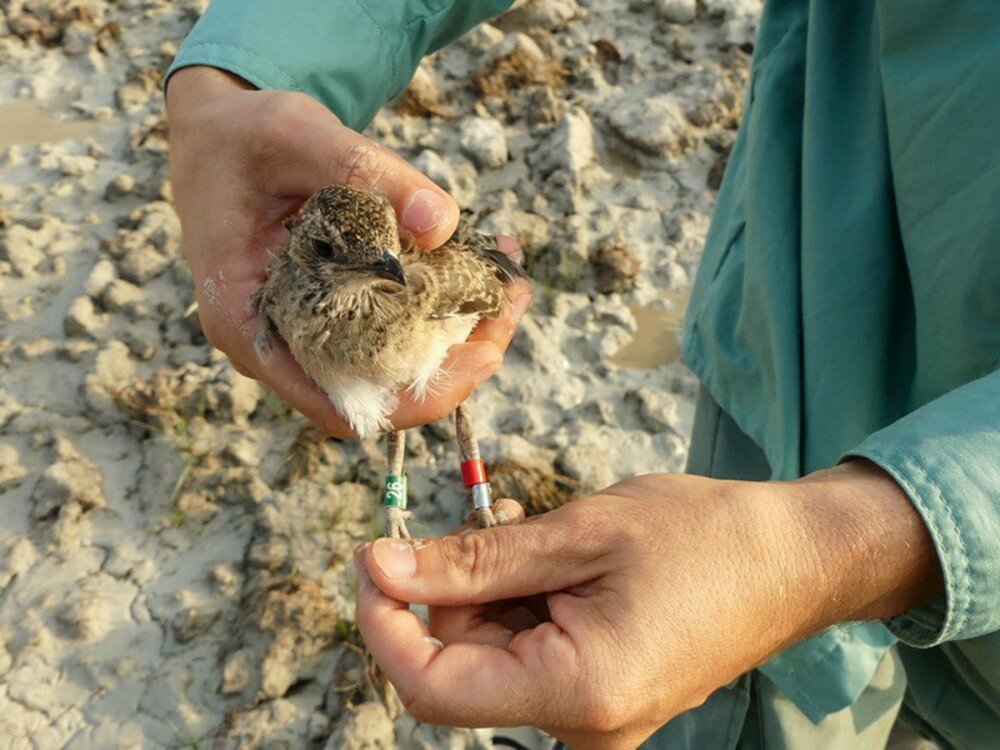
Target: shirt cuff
[337, 52]
[946, 457]
[352, 55]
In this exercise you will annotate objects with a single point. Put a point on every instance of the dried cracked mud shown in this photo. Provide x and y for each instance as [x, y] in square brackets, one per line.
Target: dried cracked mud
[175, 543]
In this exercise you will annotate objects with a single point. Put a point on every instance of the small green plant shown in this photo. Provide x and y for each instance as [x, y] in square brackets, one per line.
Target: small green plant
[346, 631]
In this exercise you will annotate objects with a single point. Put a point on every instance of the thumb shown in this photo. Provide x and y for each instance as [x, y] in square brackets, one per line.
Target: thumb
[545, 554]
[328, 152]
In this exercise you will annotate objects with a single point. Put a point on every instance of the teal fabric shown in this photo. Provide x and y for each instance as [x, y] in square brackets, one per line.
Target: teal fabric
[754, 714]
[946, 455]
[352, 55]
[848, 301]
[774, 722]
[953, 694]
[827, 673]
[720, 723]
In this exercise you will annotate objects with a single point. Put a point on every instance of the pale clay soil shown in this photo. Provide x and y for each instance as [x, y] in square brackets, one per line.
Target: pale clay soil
[174, 543]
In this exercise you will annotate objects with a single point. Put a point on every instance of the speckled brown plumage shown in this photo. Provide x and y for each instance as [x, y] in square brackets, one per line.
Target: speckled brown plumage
[365, 317]
[361, 327]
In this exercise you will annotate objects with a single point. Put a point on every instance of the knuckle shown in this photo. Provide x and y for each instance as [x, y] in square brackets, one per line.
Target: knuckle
[470, 555]
[362, 165]
[594, 527]
[415, 705]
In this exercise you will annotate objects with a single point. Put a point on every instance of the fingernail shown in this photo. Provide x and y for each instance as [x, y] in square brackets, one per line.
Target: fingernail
[395, 559]
[362, 578]
[485, 373]
[509, 245]
[425, 211]
[519, 306]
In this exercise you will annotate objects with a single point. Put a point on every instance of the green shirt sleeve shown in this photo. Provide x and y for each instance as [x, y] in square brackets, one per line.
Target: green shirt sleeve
[946, 456]
[352, 55]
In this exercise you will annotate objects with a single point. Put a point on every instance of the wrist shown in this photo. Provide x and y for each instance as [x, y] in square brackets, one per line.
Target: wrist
[871, 554]
[193, 86]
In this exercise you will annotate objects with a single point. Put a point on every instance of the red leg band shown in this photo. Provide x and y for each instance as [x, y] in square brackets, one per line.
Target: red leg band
[473, 472]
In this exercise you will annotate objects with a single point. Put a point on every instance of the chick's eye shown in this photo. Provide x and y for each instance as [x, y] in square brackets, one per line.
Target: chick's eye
[323, 248]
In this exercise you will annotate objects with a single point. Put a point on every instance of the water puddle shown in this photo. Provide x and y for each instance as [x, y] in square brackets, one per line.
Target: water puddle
[31, 122]
[619, 160]
[656, 341]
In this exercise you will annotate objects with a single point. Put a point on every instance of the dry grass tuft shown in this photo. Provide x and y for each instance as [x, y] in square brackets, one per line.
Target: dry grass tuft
[616, 269]
[538, 488]
[422, 98]
[357, 678]
[517, 70]
[307, 453]
[607, 52]
[156, 403]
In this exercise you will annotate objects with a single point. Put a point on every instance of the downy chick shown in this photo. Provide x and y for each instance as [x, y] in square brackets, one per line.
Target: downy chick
[363, 316]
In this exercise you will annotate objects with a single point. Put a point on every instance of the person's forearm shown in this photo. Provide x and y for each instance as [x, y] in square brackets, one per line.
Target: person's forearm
[871, 554]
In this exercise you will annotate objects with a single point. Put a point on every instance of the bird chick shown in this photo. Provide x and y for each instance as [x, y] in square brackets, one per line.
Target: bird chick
[365, 317]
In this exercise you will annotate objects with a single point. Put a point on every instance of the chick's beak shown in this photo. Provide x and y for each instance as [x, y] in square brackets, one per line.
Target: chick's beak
[389, 268]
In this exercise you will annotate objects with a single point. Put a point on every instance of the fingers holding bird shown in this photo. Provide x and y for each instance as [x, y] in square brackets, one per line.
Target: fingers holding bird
[475, 361]
[224, 307]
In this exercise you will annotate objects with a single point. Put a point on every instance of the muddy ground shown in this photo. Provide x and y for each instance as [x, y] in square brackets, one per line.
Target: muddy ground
[174, 542]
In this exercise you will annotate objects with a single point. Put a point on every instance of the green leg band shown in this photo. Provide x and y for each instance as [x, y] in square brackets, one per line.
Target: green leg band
[395, 491]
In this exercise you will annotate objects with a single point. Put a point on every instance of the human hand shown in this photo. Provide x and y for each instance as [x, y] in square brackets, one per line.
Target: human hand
[602, 620]
[242, 161]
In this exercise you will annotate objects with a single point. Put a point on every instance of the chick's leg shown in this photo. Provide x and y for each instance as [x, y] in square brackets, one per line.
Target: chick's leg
[394, 498]
[473, 470]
